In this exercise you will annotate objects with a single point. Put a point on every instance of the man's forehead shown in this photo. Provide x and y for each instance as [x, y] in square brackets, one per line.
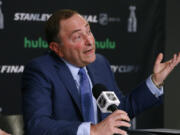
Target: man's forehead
[74, 20]
[74, 24]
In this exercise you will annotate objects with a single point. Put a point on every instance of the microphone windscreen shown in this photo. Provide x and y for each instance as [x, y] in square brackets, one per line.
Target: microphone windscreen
[97, 89]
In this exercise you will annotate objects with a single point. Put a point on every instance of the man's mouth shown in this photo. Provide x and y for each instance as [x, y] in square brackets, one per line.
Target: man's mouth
[89, 51]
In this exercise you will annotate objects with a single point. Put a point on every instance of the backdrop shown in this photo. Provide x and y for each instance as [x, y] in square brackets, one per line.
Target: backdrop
[129, 33]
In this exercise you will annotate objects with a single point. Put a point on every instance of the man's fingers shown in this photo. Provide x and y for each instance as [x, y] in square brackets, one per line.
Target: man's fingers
[174, 61]
[119, 131]
[120, 115]
[124, 117]
[120, 112]
[122, 124]
[3, 133]
[178, 58]
[113, 124]
[159, 58]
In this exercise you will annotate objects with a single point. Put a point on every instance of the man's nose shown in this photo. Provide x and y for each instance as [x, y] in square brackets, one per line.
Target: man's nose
[88, 40]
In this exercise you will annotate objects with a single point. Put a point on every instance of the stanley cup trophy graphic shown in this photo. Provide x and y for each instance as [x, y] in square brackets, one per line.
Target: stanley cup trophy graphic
[132, 21]
[1, 17]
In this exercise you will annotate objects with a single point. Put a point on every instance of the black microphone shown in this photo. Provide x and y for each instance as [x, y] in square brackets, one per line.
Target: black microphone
[107, 101]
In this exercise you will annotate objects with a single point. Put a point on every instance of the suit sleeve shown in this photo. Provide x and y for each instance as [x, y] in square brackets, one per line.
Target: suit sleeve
[37, 105]
[138, 100]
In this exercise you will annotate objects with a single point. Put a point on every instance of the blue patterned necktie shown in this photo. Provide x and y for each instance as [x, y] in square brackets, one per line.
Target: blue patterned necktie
[86, 97]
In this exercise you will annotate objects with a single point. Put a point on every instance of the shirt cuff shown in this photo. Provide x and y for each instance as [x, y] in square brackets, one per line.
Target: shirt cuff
[152, 87]
[84, 128]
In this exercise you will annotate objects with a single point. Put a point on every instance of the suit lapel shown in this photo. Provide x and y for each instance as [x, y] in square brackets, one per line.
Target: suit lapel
[94, 74]
[67, 79]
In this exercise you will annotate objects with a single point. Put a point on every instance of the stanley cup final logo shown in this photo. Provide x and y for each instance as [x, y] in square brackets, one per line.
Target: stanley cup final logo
[1, 17]
[132, 20]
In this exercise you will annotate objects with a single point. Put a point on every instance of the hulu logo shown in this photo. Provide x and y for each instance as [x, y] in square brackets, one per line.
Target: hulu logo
[39, 43]
[107, 44]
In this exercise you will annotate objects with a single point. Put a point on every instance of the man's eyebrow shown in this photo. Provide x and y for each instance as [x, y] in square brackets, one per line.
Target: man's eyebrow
[74, 31]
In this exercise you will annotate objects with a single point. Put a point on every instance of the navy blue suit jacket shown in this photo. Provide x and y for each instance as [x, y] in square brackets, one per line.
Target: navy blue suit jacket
[51, 103]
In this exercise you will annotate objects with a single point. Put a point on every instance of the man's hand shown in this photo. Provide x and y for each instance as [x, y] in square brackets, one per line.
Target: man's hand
[111, 124]
[3, 133]
[162, 70]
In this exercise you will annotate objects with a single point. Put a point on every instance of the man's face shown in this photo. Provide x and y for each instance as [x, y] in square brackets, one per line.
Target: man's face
[77, 42]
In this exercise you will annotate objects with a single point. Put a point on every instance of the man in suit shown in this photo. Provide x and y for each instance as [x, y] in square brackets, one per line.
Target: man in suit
[52, 84]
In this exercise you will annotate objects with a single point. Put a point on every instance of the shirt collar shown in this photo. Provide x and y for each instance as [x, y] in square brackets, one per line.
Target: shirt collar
[74, 69]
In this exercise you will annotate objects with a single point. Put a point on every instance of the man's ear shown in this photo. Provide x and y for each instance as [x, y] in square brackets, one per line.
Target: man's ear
[56, 48]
